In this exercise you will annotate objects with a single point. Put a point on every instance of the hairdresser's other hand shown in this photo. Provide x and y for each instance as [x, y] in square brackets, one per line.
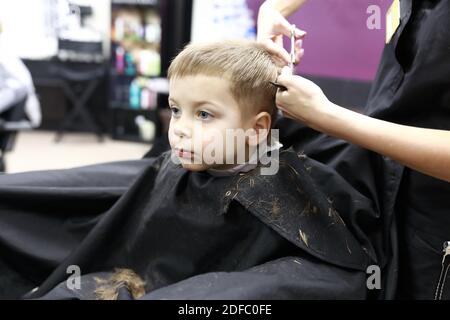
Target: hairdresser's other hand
[271, 28]
[303, 100]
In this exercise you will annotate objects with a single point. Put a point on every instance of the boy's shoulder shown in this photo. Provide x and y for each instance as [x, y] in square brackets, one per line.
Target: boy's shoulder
[291, 203]
[163, 164]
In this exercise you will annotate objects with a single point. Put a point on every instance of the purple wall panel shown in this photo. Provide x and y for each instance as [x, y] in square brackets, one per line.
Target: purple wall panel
[338, 43]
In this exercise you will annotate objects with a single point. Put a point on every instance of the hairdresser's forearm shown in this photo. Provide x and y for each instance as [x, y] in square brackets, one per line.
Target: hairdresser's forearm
[425, 150]
[285, 7]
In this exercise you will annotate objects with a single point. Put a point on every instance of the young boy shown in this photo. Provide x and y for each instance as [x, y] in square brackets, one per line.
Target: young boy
[213, 218]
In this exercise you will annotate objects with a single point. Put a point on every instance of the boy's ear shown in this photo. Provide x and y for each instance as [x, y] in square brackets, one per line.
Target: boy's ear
[261, 126]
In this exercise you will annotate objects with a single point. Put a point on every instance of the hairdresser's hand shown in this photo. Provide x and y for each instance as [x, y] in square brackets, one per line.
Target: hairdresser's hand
[271, 28]
[303, 100]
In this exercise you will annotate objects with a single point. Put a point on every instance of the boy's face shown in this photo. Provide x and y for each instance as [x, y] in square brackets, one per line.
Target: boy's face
[203, 111]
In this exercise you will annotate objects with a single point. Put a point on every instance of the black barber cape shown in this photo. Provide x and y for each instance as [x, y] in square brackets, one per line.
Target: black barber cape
[44, 215]
[412, 87]
[189, 235]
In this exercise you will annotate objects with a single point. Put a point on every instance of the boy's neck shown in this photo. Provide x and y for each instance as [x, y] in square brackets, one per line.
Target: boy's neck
[251, 162]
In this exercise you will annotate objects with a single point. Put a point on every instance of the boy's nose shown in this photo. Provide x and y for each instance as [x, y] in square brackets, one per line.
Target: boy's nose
[182, 132]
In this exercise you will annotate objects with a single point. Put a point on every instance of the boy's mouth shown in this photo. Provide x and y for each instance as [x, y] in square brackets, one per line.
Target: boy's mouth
[183, 153]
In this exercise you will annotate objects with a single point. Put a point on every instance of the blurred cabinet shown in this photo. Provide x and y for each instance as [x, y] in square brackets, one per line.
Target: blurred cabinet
[135, 59]
[145, 36]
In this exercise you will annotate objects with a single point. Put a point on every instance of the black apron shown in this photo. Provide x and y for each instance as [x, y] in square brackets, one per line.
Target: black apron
[412, 87]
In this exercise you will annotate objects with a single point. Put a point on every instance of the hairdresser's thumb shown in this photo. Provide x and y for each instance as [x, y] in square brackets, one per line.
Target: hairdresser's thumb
[286, 71]
[284, 76]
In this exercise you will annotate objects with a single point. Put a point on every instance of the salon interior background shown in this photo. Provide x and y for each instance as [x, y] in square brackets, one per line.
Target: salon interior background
[342, 53]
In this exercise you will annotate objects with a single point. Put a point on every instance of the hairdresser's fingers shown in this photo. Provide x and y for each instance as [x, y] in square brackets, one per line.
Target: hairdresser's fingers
[280, 61]
[293, 81]
[299, 51]
[276, 50]
[299, 56]
[285, 75]
[300, 34]
[284, 27]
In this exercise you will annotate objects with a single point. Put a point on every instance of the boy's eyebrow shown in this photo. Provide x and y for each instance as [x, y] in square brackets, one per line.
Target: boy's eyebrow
[196, 103]
[172, 100]
[201, 102]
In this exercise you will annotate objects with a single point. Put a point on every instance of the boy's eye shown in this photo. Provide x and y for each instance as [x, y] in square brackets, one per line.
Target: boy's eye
[175, 111]
[204, 115]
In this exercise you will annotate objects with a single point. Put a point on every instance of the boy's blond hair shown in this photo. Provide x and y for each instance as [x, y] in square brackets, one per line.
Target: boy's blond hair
[246, 64]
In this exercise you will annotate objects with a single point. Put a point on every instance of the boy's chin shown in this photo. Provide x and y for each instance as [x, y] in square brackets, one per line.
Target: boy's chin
[203, 167]
[195, 167]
